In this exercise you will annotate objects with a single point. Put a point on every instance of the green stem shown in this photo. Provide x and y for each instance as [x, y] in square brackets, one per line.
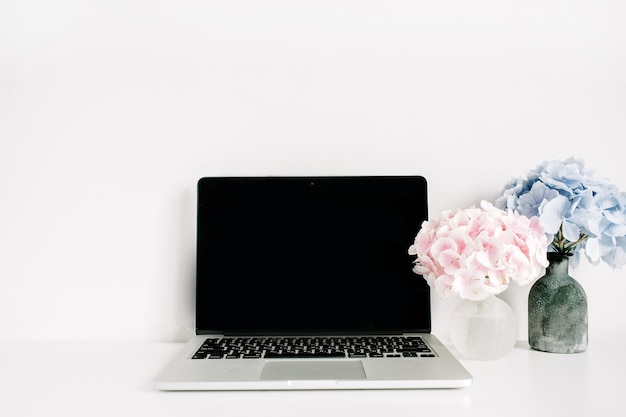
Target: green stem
[562, 245]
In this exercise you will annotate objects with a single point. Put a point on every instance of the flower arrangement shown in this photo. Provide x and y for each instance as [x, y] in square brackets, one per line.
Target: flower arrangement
[581, 213]
[475, 253]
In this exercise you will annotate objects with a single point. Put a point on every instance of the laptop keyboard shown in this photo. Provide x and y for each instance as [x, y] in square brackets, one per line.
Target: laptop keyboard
[313, 347]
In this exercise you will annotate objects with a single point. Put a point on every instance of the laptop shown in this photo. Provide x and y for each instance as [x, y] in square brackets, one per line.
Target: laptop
[306, 283]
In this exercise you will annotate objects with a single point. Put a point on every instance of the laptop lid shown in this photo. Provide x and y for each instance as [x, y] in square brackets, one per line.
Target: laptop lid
[310, 255]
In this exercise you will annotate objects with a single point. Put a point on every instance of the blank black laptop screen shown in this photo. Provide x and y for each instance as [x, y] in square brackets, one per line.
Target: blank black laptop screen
[322, 255]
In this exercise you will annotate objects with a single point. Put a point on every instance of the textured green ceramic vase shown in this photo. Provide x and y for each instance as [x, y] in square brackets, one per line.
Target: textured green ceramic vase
[557, 310]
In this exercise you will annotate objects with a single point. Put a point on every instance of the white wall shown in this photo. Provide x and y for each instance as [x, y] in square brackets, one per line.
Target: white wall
[110, 110]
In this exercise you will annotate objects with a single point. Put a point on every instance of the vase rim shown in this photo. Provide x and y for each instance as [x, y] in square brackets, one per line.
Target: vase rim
[559, 255]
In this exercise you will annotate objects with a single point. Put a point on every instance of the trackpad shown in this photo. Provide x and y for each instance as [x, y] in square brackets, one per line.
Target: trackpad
[311, 370]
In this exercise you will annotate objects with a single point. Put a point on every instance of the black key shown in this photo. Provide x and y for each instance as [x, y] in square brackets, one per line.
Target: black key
[252, 356]
[406, 348]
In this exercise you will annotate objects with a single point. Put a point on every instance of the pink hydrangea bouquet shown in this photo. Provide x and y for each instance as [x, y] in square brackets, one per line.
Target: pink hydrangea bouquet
[475, 253]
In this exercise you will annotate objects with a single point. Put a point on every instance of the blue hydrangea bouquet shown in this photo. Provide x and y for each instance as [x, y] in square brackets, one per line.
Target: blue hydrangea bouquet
[580, 212]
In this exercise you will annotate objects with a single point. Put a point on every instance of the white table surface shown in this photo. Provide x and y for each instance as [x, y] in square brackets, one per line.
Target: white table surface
[115, 379]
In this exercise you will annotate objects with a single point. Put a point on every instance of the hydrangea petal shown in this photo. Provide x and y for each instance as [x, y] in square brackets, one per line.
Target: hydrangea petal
[616, 257]
[592, 250]
[559, 205]
[571, 231]
[551, 222]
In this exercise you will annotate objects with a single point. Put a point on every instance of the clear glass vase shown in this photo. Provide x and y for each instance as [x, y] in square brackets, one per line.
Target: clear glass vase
[483, 330]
